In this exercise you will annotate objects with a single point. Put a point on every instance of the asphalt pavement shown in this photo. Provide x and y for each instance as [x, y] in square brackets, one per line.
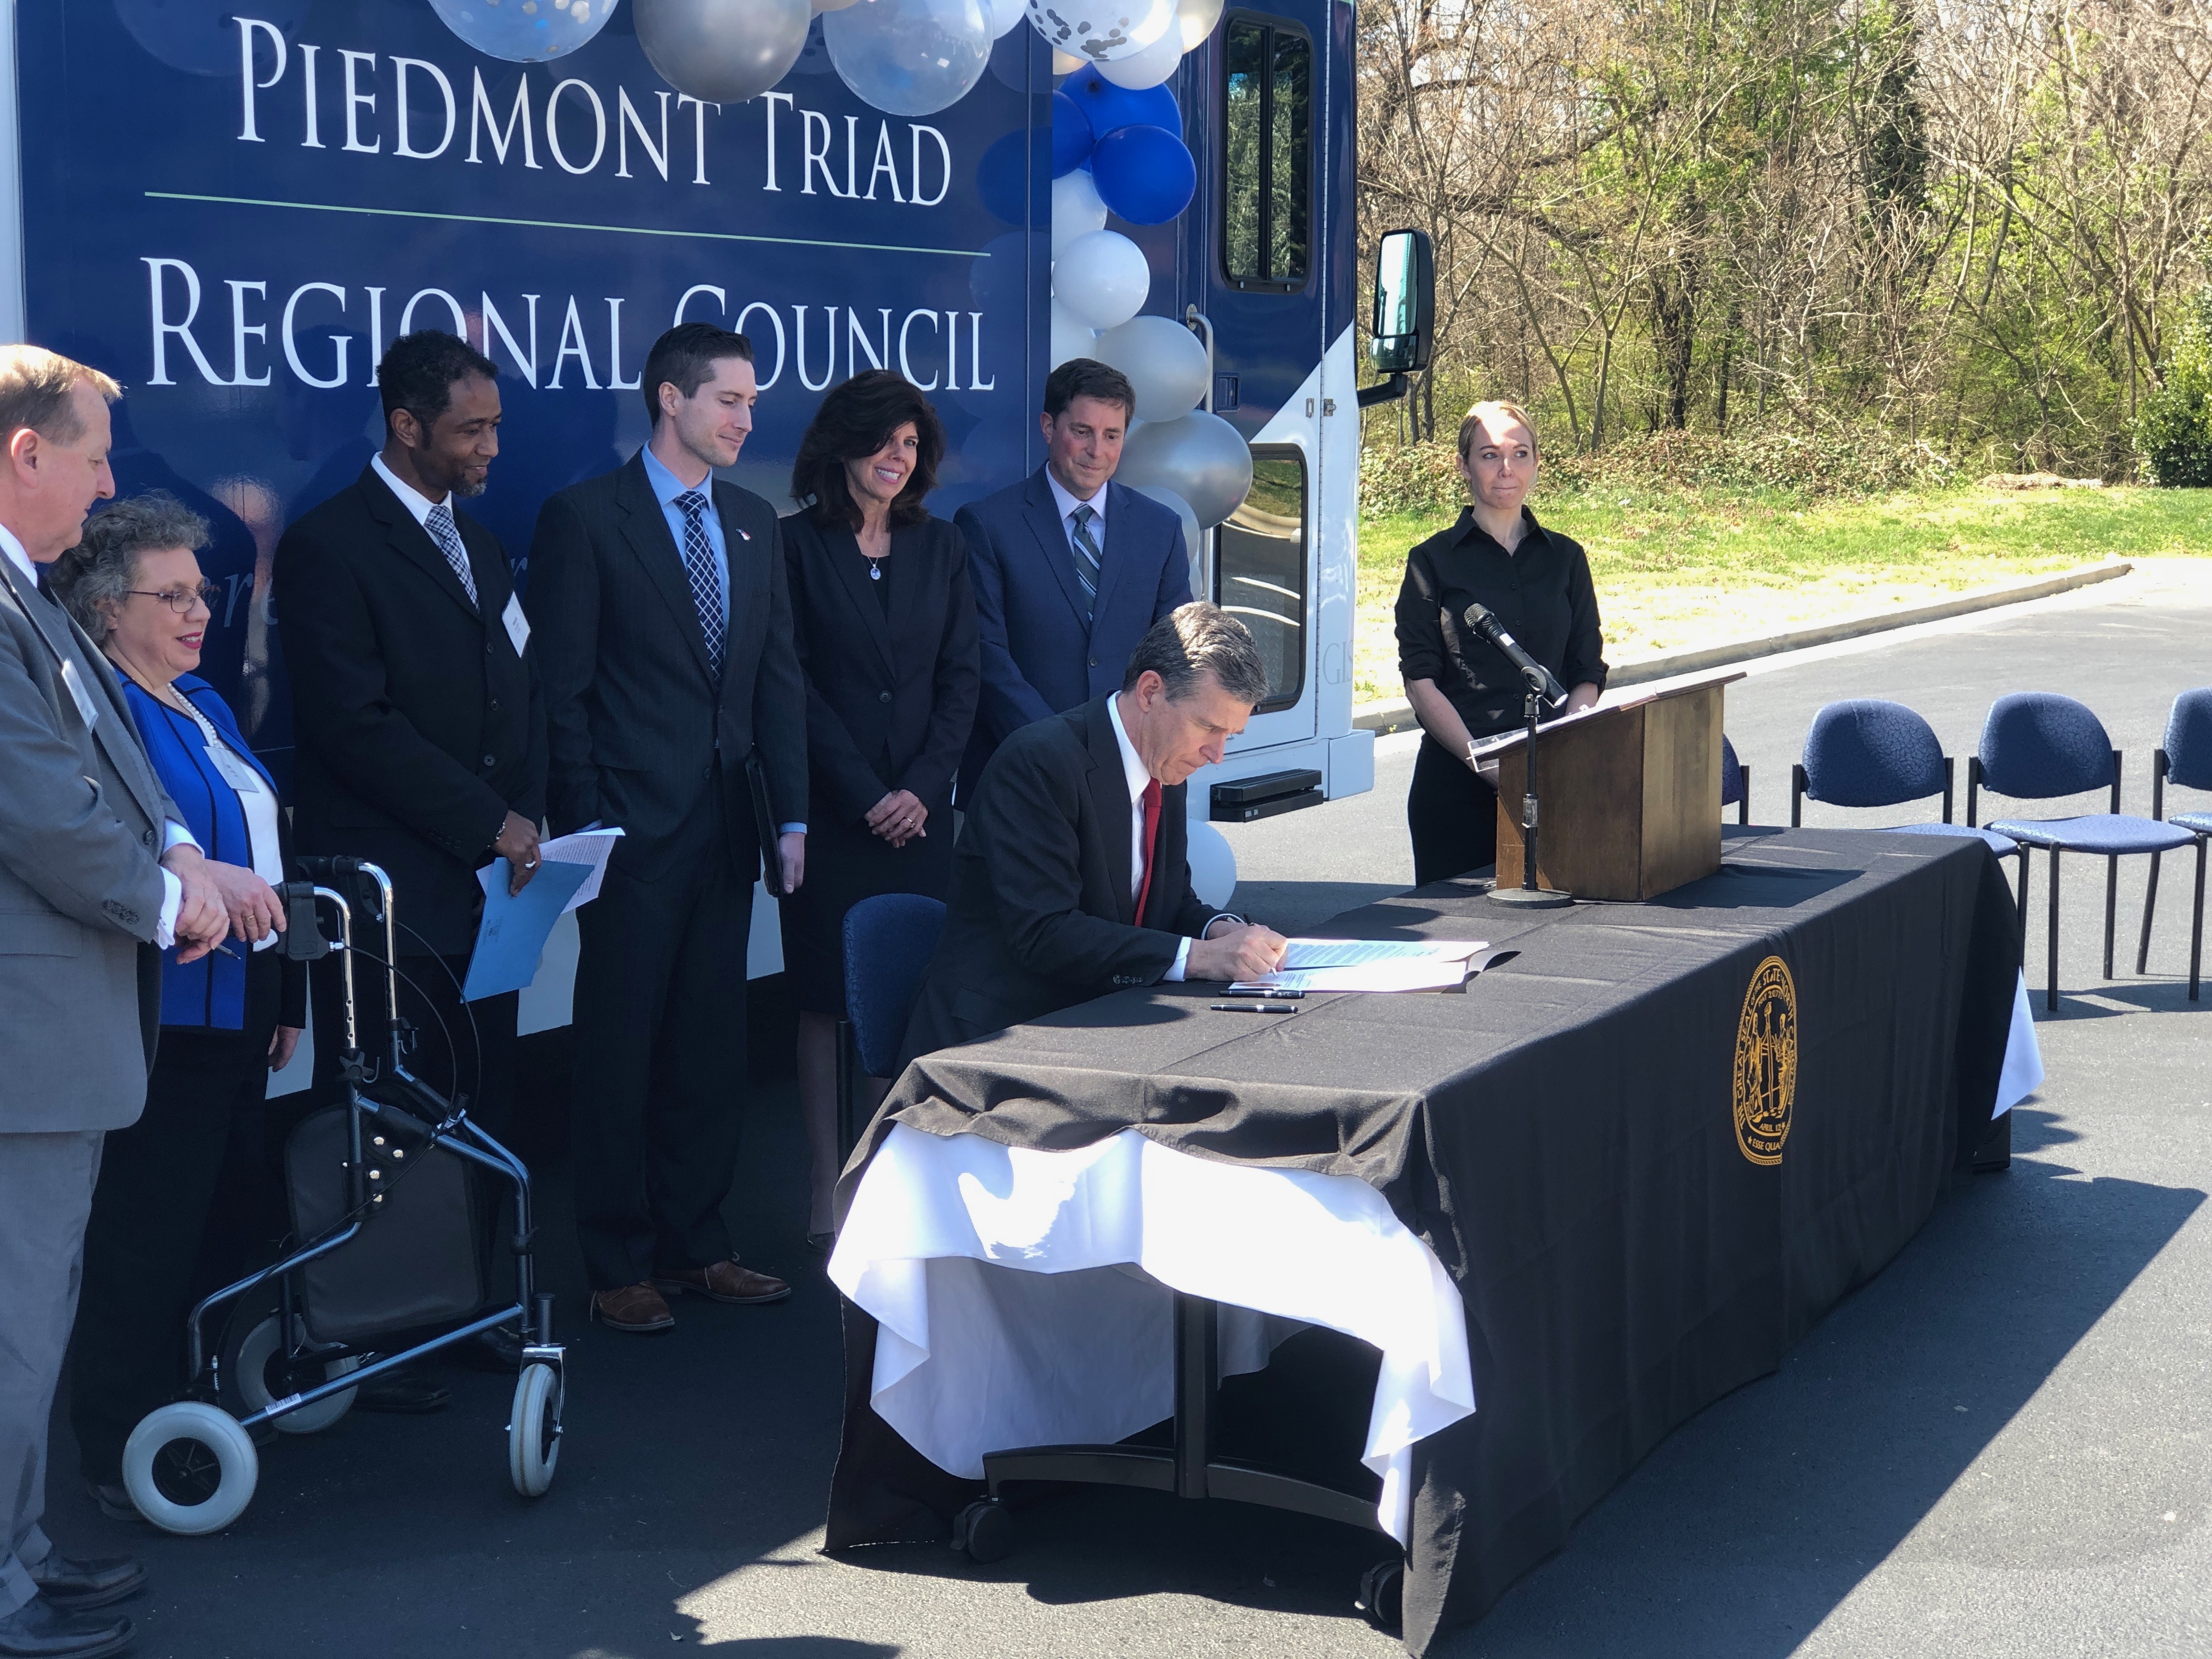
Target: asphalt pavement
[2001, 1446]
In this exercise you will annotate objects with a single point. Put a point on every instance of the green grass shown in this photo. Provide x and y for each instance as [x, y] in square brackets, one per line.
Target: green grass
[1679, 569]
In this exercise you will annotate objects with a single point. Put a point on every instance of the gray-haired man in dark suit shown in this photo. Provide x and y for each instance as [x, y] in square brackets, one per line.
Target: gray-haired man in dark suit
[97, 874]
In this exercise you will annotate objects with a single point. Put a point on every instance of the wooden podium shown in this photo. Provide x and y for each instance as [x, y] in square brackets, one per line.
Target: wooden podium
[1630, 795]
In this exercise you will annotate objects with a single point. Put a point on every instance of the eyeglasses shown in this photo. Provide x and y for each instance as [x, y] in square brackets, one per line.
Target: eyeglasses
[182, 599]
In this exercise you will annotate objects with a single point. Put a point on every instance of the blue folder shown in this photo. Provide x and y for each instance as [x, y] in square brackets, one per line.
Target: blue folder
[514, 929]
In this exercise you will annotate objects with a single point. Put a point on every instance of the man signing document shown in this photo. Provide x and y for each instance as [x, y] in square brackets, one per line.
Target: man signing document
[1070, 879]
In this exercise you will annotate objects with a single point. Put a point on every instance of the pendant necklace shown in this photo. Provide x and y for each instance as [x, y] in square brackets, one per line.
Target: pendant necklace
[875, 568]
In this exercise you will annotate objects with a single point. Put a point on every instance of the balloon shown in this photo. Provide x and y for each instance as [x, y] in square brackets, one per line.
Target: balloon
[1003, 15]
[716, 52]
[909, 57]
[1143, 173]
[1213, 862]
[1071, 136]
[821, 6]
[1164, 361]
[1195, 21]
[1076, 209]
[1115, 30]
[1102, 278]
[200, 38]
[1148, 67]
[814, 56]
[1063, 63]
[1193, 538]
[1108, 106]
[1071, 335]
[1201, 457]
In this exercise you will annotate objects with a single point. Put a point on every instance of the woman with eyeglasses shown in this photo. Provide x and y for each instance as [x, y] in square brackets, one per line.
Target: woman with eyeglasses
[227, 1020]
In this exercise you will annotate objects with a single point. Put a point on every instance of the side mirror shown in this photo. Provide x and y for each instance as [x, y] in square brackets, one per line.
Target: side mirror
[1403, 332]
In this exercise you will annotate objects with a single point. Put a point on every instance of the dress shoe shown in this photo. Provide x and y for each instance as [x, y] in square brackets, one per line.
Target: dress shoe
[39, 1630]
[822, 1244]
[635, 1308]
[724, 1281]
[114, 1499]
[401, 1394]
[78, 1585]
[499, 1350]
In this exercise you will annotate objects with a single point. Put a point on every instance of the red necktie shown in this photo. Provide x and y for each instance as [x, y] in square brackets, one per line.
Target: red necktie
[1151, 802]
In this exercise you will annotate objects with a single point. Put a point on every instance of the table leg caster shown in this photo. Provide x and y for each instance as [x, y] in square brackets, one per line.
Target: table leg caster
[985, 1531]
[1382, 1595]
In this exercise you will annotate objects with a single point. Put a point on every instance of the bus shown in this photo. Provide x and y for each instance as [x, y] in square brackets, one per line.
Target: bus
[234, 206]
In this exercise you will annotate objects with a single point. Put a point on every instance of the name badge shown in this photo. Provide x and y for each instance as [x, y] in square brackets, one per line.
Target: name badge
[235, 772]
[517, 625]
[86, 710]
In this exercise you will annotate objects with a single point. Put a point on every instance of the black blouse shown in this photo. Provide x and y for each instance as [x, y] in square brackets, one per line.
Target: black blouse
[1541, 592]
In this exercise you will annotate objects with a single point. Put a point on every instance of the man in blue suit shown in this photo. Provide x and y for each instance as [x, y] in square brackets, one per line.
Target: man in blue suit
[1070, 569]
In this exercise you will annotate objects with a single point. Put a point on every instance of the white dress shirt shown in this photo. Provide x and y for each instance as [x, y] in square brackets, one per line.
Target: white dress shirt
[1134, 770]
[1068, 503]
[173, 833]
[412, 499]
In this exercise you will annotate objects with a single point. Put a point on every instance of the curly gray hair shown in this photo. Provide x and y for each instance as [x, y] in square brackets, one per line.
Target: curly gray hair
[92, 578]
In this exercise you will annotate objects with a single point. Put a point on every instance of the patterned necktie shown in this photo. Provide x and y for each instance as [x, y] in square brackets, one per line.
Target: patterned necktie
[699, 565]
[1086, 556]
[447, 535]
[1152, 804]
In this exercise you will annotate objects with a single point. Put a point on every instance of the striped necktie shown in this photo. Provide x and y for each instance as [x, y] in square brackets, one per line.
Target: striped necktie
[1086, 556]
[699, 565]
[447, 535]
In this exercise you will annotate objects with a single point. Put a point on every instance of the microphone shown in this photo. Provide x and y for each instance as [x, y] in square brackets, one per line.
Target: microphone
[1484, 622]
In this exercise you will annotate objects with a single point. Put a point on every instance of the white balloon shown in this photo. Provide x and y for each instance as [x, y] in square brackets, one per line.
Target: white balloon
[1212, 860]
[722, 54]
[1115, 30]
[1164, 361]
[1147, 67]
[1076, 208]
[908, 57]
[1102, 278]
[1002, 15]
[821, 6]
[1064, 62]
[1071, 335]
[1201, 457]
[1195, 21]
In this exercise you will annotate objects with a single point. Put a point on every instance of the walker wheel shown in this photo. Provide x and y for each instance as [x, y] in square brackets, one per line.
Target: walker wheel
[985, 1529]
[265, 1345]
[1382, 1595]
[533, 1430]
[190, 1467]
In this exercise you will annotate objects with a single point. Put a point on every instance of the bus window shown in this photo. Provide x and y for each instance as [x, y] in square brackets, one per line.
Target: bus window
[1267, 155]
[1260, 569]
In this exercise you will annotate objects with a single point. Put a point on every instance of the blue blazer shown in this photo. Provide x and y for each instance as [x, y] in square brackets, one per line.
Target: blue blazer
[1040, 658]
[210, 992]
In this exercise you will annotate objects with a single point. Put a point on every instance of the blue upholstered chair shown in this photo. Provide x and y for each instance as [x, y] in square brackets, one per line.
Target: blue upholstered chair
[1867, 752]
[1735, 782]
[2186, 758]
[2036, 745]
[889, 940]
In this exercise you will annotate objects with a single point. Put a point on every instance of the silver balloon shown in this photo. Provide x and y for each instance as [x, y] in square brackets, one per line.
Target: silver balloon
[1201, 457]
[1195, 21]
[1164, 361]
[523, 31]
[720, 52]
[910, 57]
[1193, 538]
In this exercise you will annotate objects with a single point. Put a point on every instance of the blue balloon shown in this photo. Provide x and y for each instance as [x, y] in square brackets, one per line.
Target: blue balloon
[1143, 173]
[1003, 180]
[1072, 135]
[1108, 106]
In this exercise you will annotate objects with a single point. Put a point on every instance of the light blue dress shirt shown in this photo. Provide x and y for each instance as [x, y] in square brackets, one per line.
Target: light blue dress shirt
[666, 487]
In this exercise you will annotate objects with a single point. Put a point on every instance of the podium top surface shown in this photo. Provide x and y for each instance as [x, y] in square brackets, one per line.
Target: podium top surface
[1505, 742]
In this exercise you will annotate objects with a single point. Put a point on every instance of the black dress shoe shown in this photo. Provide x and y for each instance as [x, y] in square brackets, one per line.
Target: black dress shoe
[79, 1584]
[39, 1630]
[499, 1349]
[401, 1394]
[114, 1499]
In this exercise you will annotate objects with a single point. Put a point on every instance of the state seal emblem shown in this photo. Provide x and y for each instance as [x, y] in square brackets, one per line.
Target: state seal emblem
[1766, 1062]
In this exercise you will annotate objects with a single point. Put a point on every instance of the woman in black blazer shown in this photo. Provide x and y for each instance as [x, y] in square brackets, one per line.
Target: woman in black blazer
[885, 625]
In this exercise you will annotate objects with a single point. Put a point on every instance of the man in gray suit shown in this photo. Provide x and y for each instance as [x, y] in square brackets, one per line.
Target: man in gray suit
[97, 875]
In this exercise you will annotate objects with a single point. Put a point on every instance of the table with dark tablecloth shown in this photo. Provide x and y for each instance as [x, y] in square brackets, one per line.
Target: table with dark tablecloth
[1566, 1135]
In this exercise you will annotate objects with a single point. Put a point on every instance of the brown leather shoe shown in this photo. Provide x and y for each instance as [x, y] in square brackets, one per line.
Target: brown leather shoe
[726, 1281]
[635, 1309]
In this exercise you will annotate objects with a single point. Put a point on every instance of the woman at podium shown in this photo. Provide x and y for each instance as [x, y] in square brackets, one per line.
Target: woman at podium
[1537, 582]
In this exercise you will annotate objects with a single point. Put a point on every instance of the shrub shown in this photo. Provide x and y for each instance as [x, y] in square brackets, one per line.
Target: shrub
[2175, 431]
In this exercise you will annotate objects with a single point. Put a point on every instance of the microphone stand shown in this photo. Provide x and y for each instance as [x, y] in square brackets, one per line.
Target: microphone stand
[1527, 896]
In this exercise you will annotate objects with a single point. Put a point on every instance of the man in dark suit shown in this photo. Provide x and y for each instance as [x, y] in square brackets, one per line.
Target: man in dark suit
[418, 717]
[1069, 567]
[660, 600]
[1070, 879]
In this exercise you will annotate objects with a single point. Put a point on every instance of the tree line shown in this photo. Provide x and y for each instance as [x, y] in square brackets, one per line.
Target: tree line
[1977, 224]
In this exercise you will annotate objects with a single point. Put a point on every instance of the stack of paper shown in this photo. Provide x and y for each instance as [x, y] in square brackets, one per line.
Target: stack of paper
[1354, 965]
